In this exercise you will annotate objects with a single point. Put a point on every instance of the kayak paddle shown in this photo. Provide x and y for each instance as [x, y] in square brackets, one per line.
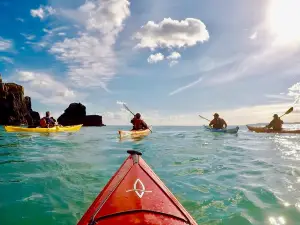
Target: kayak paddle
[288, 112]
[126, 107]
[204, 118]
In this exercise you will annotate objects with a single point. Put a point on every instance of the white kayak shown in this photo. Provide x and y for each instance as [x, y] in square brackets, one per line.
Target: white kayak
[134, 133]
[227, 130]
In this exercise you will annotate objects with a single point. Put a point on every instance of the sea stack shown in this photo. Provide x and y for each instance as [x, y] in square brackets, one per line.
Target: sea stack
[76, 114]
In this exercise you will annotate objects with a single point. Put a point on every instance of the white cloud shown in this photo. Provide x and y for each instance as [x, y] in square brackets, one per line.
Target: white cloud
[5, 45]
[253, 36]
[107, 16]
[186, 87]
[174, 55]
[154, 58]
[173, 63]
[294, 92]
[47, 39]
[90, 57]
[293, 95]
[20, 19]
[66, 93]
[90, 62]
[55, 30]
[171, 33]
[278, 97]
[42, 12]
[45, 88]
[120, 103]
[119, 117]
[29, 37]
[6, 59]
[61, 34]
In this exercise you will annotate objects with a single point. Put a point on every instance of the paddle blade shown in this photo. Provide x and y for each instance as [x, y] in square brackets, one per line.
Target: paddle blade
[290, 110]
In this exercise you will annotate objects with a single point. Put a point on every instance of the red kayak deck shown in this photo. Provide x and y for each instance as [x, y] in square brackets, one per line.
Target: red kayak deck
[135, 195]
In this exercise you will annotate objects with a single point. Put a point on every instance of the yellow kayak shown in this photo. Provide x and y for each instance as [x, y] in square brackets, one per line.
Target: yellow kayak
[134, 133]
[44, 130]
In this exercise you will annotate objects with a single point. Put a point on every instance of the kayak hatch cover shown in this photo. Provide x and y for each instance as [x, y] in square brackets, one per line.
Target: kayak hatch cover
[136, 195]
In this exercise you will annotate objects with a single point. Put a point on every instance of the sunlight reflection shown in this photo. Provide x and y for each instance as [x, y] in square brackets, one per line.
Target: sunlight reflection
[289, 147]
[284, 20]
[297, 205]
[277, 221]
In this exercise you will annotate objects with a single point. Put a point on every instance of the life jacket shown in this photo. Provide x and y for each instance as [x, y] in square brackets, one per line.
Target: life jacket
[277, 124]
[138, 124]
[218, 123]
[43, 122]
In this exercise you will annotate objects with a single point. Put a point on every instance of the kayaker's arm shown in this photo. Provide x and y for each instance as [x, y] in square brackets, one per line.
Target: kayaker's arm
[145, 125]
[132, 121]
[270, 125]
[225, 123]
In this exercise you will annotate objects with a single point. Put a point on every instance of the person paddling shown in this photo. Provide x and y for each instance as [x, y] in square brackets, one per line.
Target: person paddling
[276, 123]
[217, 122]
[47, 121]
[138, 123]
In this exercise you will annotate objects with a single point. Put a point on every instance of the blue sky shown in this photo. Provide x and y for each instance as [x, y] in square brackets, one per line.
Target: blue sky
[170, 60]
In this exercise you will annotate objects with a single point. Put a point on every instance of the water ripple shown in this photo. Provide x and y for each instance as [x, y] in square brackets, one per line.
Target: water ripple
[221, 179]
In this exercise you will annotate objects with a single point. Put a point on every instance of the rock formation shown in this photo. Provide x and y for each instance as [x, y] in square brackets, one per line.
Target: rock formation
[15, 109]
[76, 114]
[33, 114]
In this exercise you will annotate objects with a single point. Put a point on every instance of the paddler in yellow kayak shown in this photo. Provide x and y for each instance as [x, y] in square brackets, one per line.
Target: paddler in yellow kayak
[47, 121]
[217, 122]
[138, 123]
[276, 123]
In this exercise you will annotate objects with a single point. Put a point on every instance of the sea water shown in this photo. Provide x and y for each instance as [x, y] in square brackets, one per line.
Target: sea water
[232, 179]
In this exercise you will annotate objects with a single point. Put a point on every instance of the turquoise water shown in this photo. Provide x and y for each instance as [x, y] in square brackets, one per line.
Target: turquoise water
[229, 179]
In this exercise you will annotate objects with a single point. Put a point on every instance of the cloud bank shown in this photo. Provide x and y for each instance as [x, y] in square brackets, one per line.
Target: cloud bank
[90, 57]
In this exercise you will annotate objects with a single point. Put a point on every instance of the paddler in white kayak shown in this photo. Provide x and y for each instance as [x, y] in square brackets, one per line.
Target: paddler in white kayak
[275, 124]
[217, 122]
[138, 123]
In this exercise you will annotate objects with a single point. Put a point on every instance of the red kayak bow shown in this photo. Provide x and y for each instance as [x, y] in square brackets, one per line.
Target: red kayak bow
[135, 195]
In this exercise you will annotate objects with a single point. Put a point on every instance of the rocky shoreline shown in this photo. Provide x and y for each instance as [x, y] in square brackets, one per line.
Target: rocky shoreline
[16, 109]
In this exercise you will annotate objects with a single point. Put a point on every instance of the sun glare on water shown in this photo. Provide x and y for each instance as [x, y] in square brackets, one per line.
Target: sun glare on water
[284, 17]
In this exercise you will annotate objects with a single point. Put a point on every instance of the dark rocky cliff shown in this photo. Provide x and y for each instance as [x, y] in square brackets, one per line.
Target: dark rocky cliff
[15, 108]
